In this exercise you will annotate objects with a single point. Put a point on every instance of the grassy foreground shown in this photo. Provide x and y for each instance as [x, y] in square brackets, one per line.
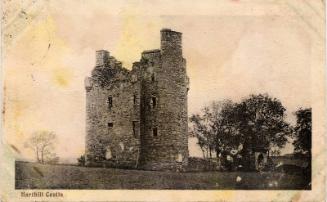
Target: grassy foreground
[40, 176]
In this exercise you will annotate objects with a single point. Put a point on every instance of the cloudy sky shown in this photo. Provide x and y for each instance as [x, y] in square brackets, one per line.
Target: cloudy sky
[233, 48]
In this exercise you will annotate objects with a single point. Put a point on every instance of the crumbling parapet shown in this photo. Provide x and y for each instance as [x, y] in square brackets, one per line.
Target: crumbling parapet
[102, 57]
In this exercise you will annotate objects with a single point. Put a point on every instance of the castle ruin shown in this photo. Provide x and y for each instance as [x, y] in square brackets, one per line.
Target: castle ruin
[138, 118]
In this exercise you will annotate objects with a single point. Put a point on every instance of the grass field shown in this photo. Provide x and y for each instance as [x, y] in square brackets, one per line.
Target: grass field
[40, 176]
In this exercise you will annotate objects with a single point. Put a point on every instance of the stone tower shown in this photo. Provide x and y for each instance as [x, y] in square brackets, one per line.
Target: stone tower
[138, 118]
[164, 139]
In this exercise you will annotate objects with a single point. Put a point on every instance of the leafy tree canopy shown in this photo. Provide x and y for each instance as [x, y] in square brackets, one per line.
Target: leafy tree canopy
[302, 131]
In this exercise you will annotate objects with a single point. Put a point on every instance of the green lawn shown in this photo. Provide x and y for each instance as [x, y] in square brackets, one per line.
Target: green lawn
[39, 176]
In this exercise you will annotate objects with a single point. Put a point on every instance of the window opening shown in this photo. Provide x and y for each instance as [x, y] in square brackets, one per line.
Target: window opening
[109, 102]
[154, 102]
[134, 128]
[155, 132]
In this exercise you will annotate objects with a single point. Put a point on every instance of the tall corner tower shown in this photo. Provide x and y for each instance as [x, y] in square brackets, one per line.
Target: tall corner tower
[164, 135]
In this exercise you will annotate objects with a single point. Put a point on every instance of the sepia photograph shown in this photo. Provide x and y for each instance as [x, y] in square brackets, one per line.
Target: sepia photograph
[115, 96]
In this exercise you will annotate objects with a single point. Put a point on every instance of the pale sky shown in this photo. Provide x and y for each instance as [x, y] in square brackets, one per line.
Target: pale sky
[231, 53]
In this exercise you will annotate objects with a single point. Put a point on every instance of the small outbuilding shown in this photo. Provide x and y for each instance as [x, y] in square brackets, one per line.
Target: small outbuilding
[259, 157]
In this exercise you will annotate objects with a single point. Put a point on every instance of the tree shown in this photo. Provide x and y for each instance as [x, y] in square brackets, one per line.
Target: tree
[208, 127]
[302, 135]
[227, 133]
[261, 121]
[42, 142]
[200, 131]
[302, 131]
[260, 125]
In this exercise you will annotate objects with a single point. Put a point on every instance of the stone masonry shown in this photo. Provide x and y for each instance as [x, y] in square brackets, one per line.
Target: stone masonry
[138, 118]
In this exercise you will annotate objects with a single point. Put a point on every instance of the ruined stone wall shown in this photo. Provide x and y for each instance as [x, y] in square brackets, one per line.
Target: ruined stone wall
[113, 127]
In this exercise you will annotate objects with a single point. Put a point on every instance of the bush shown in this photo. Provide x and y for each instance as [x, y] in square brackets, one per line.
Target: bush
[81, 160]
